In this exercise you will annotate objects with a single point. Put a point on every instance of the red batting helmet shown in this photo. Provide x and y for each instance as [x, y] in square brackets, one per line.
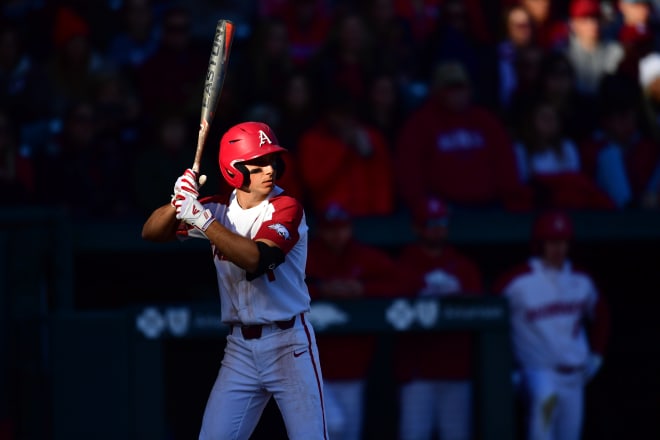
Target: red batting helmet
[243, 142]
[554, 225]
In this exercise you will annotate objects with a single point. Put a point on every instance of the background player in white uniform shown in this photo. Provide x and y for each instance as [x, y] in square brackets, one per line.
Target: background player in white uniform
[550, 303]
[258, 235]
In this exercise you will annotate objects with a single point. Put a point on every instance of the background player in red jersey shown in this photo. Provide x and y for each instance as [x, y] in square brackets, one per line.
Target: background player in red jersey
[550, 303]
[434, 370]
[258, 235]
[340, 267]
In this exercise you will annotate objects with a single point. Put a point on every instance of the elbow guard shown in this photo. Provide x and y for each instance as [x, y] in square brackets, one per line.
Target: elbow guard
[269, 258]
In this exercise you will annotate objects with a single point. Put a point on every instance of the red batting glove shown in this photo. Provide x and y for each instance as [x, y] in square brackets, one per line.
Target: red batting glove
[187, 184]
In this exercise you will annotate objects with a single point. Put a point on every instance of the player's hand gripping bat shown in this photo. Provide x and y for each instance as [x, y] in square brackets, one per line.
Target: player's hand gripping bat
[215, 77]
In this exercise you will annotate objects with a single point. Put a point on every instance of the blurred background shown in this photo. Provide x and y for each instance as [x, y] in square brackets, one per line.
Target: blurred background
[500, 108]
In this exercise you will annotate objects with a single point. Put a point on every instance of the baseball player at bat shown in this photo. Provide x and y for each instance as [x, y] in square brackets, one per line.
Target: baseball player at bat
[258, 235]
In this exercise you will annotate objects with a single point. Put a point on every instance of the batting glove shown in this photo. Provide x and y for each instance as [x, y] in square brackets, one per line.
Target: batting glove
[191, 211]
[187, 184]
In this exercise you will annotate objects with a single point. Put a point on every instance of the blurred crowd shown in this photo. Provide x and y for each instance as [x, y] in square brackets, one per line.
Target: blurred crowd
[501, 104]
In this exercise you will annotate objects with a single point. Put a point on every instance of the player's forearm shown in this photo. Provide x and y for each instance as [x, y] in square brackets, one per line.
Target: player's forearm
[161, 225]
[240, 250]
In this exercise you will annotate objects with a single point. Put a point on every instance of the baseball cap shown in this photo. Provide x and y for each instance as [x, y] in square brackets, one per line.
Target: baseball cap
[450, 73]
[585, 8]
[431, 212]
[552, 225]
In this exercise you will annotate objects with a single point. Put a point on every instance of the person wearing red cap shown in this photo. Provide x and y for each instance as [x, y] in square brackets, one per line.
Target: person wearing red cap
[434, 370]
[341, 267]
[555, 354]
[592, 56]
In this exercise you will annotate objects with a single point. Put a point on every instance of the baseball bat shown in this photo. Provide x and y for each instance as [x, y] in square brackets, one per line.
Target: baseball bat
[215, 78]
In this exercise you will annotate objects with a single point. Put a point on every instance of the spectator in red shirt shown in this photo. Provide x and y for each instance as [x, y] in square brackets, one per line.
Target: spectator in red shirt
[453, 149]
[434, 370]
[340, 267]
[343, 160]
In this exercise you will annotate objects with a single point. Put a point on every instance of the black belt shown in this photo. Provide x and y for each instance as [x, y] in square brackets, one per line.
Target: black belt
[253, 331]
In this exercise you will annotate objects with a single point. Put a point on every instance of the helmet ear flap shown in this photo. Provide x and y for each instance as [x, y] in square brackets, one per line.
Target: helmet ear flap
[244, 172]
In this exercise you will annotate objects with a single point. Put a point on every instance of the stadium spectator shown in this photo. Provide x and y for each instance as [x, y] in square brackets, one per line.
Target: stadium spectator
[457, 39]
[517, 33]
[298, 107]
[161, 158]
[347, 57]
[398, 52]
[24, 86]
[383, 107]
[73, 64]
[173, 75]
[17, 179]
[308, 23]
[118, 110]
[434, 370]
[549, 161]
[636, 34]
[649, 81]
[551, 29]
[79, 157]
[345, 161]
[527, 71]
[621, 157]
[138, 36]
[266, 64]
[555, 83]
[341, 268]
[590, 54]
[456, 150]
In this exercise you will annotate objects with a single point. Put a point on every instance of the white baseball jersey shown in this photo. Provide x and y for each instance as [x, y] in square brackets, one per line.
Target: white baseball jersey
[548, 307]
[278, 294]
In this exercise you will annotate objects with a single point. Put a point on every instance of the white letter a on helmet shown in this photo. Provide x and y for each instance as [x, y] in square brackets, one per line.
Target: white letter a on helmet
[263, 138]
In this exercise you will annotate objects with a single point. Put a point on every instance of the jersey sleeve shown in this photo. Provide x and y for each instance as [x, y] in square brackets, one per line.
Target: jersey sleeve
[283, 227]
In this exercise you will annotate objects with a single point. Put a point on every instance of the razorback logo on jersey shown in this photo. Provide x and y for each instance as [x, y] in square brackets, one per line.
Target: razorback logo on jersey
[281, 230]
[263, 138]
